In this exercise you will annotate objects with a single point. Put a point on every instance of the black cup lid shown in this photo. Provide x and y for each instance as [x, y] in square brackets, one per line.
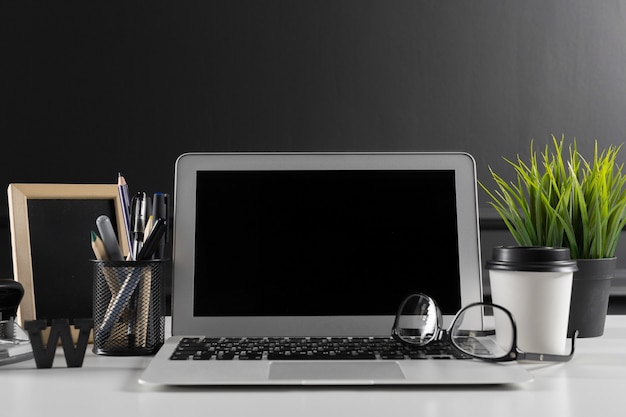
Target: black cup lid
[531, 258]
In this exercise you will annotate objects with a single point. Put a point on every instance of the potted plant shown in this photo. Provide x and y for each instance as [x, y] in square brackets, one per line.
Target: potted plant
[567, 201]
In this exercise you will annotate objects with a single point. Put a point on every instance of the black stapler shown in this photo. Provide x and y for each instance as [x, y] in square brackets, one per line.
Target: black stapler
[14, 343]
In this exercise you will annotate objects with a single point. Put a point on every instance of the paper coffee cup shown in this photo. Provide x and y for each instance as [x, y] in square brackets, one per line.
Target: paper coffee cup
[535, 284]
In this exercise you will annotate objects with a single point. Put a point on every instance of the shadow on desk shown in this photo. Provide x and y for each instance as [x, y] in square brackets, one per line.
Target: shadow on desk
[617, 304]
[136, 387]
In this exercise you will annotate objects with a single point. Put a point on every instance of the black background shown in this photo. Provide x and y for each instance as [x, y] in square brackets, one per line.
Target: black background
[88, 89]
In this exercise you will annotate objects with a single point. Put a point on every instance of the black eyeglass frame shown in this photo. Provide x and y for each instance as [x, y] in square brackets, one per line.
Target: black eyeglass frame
[443, 335]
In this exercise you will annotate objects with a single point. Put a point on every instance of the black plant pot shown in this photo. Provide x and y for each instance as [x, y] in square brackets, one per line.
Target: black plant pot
[590, 296]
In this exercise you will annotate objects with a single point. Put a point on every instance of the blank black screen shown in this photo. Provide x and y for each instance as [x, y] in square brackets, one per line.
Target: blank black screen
[62, 271]
[275, 243]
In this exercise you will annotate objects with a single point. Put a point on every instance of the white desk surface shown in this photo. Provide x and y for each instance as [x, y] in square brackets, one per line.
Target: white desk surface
[592, 384]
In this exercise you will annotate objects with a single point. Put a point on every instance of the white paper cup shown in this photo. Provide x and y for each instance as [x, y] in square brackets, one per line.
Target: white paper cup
[535, 285]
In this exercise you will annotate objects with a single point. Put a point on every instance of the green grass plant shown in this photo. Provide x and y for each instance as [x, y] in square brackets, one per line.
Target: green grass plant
[564, 200]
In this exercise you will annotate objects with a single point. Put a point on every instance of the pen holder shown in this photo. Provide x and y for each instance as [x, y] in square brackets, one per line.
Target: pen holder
[128, 308]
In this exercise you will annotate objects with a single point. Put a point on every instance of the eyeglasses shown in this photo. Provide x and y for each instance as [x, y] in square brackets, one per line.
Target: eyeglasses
[481, 330]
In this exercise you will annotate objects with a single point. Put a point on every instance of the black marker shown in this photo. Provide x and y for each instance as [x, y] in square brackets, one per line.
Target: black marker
[159, 210]
[152, 242]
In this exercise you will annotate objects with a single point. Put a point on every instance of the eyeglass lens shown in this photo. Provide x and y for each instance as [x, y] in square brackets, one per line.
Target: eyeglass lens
[483, 331]
[417, 320]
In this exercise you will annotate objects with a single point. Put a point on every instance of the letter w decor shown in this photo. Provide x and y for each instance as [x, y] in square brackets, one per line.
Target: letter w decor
[74, 355]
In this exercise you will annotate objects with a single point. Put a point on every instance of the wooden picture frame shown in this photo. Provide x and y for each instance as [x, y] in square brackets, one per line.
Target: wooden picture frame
[51, 228]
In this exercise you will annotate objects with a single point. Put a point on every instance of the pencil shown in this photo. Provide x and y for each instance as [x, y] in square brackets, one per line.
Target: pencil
[101, 254]
[148, 228]
[122, 187]
[98, 247]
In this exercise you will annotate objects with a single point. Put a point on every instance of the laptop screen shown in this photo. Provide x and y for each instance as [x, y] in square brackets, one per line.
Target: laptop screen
[327, 244]
[324, 242]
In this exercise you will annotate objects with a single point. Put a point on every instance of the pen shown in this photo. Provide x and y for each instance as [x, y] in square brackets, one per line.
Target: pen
[109, 240]
[160, 210]
[138, 222]
[150, 245]
[138, 225]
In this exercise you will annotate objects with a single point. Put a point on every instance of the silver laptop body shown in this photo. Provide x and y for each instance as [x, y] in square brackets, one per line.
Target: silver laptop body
[320, 245]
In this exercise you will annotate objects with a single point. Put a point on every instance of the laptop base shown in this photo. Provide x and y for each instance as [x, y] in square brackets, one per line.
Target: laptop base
[166, 372]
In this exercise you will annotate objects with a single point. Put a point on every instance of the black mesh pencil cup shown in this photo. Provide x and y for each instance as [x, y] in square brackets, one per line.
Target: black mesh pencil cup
[128, 308]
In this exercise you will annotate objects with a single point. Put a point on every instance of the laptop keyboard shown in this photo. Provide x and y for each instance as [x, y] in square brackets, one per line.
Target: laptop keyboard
[308, 348]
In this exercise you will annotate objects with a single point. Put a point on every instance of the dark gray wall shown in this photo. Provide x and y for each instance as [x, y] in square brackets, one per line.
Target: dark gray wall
[88, 89]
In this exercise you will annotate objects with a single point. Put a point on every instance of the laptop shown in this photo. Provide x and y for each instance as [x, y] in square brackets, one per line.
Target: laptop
[319, 246]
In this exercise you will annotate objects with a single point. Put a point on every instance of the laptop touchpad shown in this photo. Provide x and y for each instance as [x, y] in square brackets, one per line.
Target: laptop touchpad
[335, 371]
